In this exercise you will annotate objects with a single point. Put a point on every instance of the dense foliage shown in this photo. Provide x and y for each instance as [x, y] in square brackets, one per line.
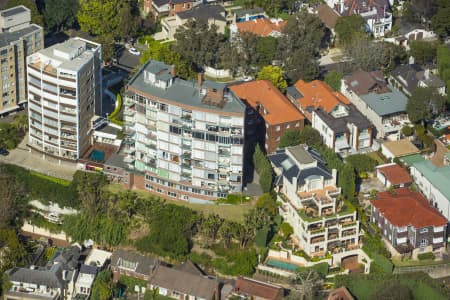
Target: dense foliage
[263, 167]
[11, 134]
[171, 229]
[361, 162]
[275, 75]
[424, 104]
[349, 27]
[60, 14]
[102, 287]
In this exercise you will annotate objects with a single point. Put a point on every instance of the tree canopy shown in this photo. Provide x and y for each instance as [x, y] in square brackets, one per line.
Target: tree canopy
[275, 75]
[441, 21]
[424, 103]
[298, 48]
[423, 51]
[163, 52]
[199, 43]
[60, 14]
[349, 27]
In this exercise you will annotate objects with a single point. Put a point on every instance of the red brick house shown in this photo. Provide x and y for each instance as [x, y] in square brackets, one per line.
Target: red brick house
[408, 221]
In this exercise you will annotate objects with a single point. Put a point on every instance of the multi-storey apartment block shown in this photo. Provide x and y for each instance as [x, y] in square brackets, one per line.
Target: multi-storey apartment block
[408, 221]
[308, 192]
[187, 137]
[18, 39]
[64, 85]
[269, 113]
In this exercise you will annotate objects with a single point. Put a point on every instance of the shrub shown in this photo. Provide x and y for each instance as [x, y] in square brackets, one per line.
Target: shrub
[261, 237]
[407, 130]
[362, 162]
[113, 116]
[425, 256]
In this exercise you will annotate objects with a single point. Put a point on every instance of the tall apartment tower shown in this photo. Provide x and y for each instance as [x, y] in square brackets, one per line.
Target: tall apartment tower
[64, 83]
[18, 39]
[185, 137]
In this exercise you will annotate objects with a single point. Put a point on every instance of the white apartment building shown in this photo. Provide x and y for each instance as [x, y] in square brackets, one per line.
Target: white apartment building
[186, 136]
[64, 88]
[433, 182]
[308, 193]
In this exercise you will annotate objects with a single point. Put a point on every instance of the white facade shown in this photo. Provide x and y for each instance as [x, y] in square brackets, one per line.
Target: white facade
[431, 191]
[321, 224]
[84, 283]
[188, 150]
[64, 87]
[351, 140]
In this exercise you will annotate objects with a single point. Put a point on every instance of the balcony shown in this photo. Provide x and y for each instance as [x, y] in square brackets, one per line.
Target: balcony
[128, 159]
[186, 166]
[129, 112]
[318, 239]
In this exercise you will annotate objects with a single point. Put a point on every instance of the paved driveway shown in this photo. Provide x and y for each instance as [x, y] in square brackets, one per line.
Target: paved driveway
[22, 157]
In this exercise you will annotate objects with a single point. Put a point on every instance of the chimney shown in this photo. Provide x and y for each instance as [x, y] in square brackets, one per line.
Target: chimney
[199, 81]
[173, 70]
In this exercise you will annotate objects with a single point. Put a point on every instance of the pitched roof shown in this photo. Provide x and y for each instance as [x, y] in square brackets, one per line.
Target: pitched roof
[438, 176]
[385, 104]
[363, 82]
[144, 264]
[51, 278]
[318, 94]
[258, 289]
[340, 294]
[404, 208]
[395, 174]
[276, 107]
[292, 161]
[400, 148]
[327, 15]
[184, 282]
[204, 12]
[340, 125]
[262, 26]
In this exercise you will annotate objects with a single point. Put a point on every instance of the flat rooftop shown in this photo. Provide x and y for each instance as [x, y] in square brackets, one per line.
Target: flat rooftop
[13, 11]
[182, 91]
[386, 103]
[6, 38]
[62, 55]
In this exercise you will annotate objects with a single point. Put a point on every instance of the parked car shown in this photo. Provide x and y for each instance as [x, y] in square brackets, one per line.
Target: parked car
[4, 152]
[134, 51]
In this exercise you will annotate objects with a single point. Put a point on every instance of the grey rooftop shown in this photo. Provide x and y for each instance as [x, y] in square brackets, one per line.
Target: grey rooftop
[7, 38]
[182, 91]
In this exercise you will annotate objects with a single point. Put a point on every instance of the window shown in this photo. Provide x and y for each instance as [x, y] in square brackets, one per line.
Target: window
[423, 230]
[288, 126]
[211, 176]
[277, 128]
[171, 194]
[423, 243]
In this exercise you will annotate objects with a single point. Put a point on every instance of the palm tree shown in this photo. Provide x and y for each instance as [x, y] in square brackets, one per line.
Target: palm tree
[226, 233]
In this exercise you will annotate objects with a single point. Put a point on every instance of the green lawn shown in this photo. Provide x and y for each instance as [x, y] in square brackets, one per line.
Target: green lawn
[410, 263]
[229, 212]
[365, 286]
[375, 156]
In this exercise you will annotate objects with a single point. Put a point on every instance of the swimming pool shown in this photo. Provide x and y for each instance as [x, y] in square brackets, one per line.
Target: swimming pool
[282, 265]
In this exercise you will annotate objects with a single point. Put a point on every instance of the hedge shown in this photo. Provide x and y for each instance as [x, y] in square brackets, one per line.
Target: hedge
[115, 113]
[424, 256]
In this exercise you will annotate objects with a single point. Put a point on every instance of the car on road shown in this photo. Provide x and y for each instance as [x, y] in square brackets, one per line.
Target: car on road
[4, 152]
[134, 51]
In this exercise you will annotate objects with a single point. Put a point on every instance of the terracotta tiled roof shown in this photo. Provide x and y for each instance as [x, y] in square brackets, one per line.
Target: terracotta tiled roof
[261, 27]
[318, 94]
[395, 174]
[258, 289]
[403, 208]
[264, 93]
